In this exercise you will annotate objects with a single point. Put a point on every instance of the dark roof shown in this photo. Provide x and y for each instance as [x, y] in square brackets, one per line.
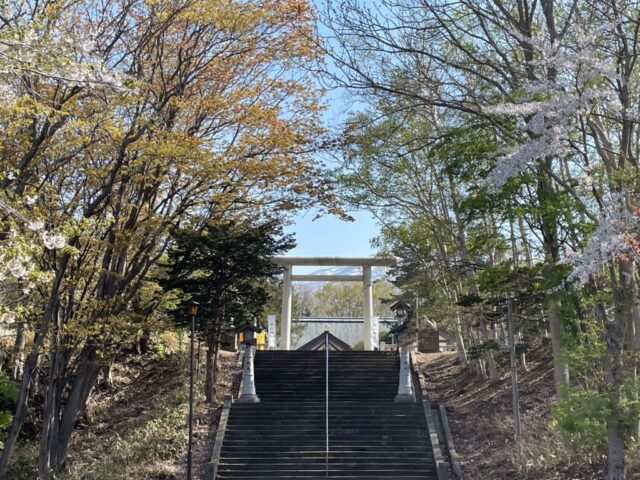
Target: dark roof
[400, 303]
[317, 343]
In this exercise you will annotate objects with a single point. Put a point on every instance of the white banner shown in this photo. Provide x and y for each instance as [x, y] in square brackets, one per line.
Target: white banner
[271, 332]
[375, 332]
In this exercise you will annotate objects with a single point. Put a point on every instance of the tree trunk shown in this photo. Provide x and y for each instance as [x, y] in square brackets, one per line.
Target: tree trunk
[18, 351]
[520, 336]
[107, 374]
[199, 359]
[30, 365]
[523, 356]
[35, 380]
[550, 244]
[212, 373]
[83, 382]
[213, 348]
[480, 370]
[50, 418]
[633, 345]
[616, 467]
[488, 355]
[504, 334]
[460, 348]
[143, 342]
[560, 368]
[60, 415]
[209, 382]
[525, 243]
[23, 395]
[625, 305]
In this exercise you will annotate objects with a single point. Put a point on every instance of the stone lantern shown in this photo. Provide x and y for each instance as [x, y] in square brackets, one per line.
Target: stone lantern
[405, 336]
[249, 340]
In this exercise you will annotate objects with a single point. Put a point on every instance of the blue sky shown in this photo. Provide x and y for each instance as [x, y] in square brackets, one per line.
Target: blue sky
[330, 236]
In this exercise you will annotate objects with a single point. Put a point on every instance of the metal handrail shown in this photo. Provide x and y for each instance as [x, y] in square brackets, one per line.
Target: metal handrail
[326, 414]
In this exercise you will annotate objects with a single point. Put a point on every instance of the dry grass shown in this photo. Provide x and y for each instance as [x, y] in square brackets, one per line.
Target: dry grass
[480, 415]
[137, 427]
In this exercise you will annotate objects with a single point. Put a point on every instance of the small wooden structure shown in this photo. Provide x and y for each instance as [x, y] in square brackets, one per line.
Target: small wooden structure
[429, 341]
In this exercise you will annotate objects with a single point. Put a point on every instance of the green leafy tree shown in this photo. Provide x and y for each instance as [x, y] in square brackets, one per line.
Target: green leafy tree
[339, 299]
[515, 162]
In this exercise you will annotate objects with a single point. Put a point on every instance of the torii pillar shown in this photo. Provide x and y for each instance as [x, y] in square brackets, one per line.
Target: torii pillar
[367, 292]
[287, 302]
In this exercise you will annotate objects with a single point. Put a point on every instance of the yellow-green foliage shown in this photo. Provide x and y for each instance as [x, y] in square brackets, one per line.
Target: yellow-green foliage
[8, 397]
[583, 414]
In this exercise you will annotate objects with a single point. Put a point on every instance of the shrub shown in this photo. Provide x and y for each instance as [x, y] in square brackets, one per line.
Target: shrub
[9, 390]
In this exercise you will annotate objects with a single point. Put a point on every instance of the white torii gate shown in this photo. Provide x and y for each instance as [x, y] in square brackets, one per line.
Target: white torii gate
[287, 288]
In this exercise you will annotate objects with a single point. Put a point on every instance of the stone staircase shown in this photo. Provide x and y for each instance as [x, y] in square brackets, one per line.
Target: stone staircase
[284, 436]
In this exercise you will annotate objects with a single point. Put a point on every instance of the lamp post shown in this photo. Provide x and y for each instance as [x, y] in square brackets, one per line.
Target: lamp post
[192, 310]
[248, 393]
[403, 333]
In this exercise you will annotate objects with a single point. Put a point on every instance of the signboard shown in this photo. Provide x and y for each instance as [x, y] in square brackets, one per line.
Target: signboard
[261, 340]
[271, 329]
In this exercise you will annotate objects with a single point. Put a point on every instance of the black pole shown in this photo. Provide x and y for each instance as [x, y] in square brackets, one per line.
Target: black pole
[189, 453]
[514, 380]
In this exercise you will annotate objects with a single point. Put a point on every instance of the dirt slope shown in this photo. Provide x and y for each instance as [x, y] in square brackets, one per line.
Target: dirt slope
[480, 415]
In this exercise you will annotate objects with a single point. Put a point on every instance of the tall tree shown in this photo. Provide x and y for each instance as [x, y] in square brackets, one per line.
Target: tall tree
[124, 119]
[225, 267]
[553, 84]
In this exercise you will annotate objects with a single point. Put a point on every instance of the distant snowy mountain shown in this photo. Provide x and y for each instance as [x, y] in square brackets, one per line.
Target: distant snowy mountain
[377, 273]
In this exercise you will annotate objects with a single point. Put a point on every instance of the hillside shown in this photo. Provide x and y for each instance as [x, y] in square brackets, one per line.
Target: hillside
[137, 426]
[481, 423]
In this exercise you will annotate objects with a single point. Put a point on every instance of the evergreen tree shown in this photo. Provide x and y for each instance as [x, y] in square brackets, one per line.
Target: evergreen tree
[224, 267]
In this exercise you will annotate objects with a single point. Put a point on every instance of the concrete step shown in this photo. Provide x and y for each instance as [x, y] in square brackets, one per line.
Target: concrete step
[320, 474]
[320, 457]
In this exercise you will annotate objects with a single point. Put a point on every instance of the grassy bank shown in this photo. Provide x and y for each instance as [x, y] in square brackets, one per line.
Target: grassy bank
[136, 428]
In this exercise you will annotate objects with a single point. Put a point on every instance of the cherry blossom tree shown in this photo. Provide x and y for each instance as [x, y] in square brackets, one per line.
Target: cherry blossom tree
[555, 84]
